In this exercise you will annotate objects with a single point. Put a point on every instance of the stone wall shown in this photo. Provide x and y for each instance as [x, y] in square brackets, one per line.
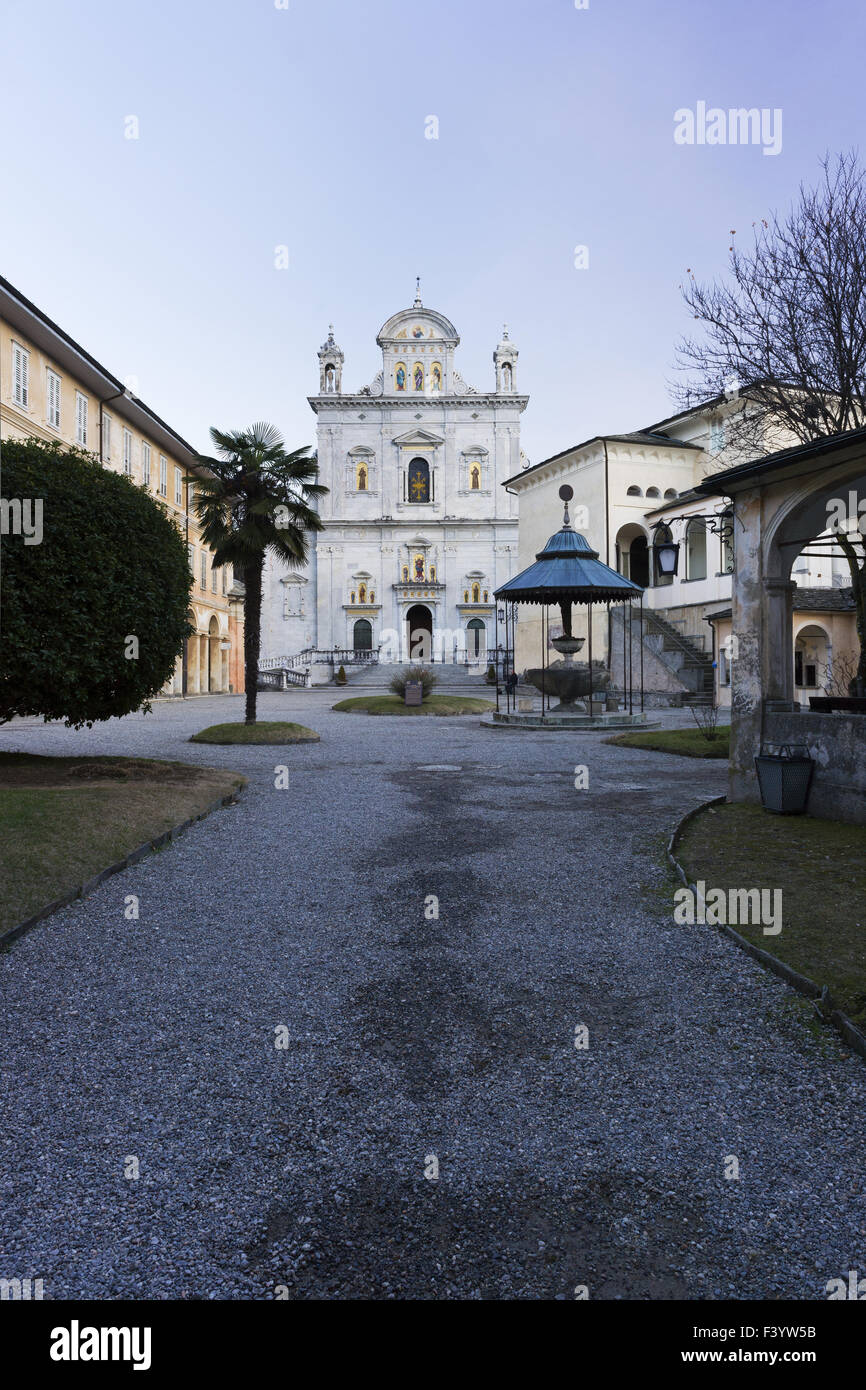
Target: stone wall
[837, 746]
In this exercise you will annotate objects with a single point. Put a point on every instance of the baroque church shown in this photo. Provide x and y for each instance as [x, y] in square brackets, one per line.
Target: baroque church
[419, 532]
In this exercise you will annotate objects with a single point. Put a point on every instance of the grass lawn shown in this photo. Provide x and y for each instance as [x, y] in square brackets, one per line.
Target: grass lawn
[393, 704]
[264, 732]
[62, 820]
[689, 743]
[820, 866]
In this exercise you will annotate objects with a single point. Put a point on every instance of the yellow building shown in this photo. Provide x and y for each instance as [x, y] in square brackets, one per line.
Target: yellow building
[51, 389]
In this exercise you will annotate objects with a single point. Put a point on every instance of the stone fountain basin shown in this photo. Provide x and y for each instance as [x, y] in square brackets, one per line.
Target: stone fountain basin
[570, 681]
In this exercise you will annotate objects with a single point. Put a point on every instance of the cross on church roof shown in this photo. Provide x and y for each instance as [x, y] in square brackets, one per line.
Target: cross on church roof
[418, 304]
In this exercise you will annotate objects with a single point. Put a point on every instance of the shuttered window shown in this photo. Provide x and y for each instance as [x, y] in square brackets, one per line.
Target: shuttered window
[145, 463]
[106, 438]
[53, 399]
[80, 418]
[163, 476]
[127, 452]
[204, 569]
[178, 487]
[20, 375]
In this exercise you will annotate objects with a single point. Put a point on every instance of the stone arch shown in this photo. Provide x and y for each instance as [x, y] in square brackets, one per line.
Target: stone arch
[634, 491]
[632, 553]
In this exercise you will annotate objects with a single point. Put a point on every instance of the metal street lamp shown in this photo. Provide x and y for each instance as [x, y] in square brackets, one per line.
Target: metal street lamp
[667, 555]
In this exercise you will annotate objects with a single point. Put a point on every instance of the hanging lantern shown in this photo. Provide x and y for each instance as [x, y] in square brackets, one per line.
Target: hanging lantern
[667, 555]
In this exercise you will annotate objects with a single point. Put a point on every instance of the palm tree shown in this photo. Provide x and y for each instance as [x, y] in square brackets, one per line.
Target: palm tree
[254, 498]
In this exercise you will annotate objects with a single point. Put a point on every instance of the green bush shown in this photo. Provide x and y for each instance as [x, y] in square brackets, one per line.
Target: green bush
[413, 674]
[341, 677]
[110, 567]
[491, 674]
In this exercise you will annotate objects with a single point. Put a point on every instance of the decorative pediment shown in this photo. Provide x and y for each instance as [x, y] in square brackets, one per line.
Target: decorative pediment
[362, 451]
[416, 438]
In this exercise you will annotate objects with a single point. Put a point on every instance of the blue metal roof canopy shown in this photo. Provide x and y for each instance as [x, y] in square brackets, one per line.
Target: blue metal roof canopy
[568, 570]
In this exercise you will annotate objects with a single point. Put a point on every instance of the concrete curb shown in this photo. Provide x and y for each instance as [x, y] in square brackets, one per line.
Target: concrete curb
[819, 994]
[134, 857]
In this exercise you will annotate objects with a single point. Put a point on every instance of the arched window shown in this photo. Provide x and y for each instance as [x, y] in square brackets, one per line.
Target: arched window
[670, 493]
[653, 492]
[634, 492]
[475, 477]
[436, 376]
[400, 376]
[418, 377]
[419, 481]
[696, 550]
[362, 636]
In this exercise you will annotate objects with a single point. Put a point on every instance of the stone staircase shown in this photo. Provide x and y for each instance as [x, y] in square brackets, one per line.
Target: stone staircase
[449, 676]
[684, 655]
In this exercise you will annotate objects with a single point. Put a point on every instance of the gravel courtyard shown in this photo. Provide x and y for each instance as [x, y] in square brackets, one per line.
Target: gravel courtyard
[414, 1041]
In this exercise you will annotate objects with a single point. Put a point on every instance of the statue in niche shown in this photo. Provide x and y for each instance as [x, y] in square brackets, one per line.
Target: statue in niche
[362, 478]
[362, 594]
[419, 566]
[475, 477]
[506, 377]
[437, 377]
[352, 596]
[405, 574]
[433, 574]
[419, 377]
[401, 378]
[329, 377]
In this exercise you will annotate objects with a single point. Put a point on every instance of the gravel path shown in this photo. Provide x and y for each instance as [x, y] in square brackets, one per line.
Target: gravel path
[299, 1171]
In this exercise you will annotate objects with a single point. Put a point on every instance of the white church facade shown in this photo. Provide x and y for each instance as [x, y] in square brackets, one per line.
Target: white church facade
[418, 529]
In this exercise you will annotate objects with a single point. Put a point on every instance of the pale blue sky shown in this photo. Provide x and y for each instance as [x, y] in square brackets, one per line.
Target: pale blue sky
[305, 127]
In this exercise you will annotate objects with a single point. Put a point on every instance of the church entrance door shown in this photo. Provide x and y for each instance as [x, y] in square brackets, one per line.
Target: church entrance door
[476, 639]
[419, 621]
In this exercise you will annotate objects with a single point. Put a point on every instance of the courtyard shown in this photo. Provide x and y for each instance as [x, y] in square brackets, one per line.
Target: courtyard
[417, 1024]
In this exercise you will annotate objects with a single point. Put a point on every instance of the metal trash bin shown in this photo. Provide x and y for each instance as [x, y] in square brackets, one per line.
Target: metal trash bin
[414, 693]
[784, 776]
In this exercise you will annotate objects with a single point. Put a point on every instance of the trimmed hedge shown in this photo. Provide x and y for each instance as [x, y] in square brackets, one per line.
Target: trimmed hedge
[111, 566]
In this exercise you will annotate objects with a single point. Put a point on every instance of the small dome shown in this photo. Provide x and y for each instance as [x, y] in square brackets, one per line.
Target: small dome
[567, 541]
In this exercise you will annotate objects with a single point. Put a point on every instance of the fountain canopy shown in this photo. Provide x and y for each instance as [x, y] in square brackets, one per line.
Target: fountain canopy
[568, 570]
